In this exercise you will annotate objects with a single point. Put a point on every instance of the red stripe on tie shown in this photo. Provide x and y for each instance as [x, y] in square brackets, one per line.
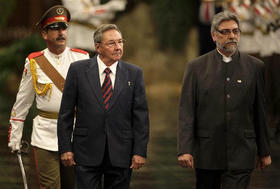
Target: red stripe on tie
[108, 98]
[107, 88]
[106, 106]
[104, 87]
[107, 91]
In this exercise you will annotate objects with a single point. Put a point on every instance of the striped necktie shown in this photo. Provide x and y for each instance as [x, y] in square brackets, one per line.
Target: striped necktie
[107, 90]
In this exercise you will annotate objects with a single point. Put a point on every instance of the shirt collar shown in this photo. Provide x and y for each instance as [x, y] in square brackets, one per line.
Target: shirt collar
[102, 66]
[225, 58]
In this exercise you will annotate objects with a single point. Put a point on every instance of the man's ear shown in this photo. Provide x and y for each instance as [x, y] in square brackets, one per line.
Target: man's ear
[97, 47]
[213, 37]
[44, 34]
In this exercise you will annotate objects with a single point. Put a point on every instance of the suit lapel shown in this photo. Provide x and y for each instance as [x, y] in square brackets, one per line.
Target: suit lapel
[94, 81]
[121, 77]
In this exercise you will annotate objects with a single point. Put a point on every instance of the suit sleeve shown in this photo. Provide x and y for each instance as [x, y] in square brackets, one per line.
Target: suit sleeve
[140, 117]
[66, 112]
[185, 132]
[261, 129]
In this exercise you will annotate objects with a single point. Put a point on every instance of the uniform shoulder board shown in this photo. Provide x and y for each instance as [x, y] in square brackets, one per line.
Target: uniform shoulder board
[35, 54]
[79, 51]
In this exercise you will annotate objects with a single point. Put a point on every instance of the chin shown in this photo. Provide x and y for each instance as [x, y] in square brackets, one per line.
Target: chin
[117, 57]
[61, 41]
[230, 49]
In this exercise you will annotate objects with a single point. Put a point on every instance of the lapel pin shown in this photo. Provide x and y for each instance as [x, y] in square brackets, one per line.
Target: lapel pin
[129, 83]
[239, 81]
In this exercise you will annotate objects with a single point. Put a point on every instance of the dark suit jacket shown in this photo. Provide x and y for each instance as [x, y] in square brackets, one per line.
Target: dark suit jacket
[222, 120]
[125, 125]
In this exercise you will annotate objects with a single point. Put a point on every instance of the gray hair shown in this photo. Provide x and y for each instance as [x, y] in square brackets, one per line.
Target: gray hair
[98, 34]
[221, 17]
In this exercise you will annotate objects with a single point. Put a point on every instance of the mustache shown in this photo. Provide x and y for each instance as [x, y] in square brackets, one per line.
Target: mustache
[231, 41]
[60, 38]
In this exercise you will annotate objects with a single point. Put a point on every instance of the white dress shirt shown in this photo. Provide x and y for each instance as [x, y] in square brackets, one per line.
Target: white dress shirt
[102, 74]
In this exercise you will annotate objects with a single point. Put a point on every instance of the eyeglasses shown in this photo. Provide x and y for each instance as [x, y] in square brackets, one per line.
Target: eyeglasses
[235, 31]
[112, 43]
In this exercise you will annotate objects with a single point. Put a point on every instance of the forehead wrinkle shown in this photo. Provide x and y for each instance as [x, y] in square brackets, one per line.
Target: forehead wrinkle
[111, 35]
[229, 23]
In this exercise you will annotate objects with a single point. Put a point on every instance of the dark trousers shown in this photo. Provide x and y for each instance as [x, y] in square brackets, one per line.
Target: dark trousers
[223, 179]
[67, 178]
[91, 177]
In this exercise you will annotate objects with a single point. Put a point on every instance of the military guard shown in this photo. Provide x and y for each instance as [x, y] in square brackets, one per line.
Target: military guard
[43, 80]
[207, 9]
[87, 15]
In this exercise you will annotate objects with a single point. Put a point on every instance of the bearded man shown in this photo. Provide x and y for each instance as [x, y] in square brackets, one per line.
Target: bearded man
[222, 119]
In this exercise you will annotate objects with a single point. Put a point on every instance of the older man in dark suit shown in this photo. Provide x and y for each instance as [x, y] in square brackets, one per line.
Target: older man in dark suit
[222, 121]
[112, 126]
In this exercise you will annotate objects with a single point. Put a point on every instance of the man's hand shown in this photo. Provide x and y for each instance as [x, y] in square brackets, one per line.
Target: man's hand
[186, 160]
[263, 162]
[67, 159]
[137, 162]
[15, 147]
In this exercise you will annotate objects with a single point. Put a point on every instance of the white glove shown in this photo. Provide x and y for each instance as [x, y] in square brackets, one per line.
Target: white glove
[14, 145]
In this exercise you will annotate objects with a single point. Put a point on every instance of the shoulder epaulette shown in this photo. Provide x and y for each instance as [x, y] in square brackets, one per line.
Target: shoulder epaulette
[79, 50]
[35, 54]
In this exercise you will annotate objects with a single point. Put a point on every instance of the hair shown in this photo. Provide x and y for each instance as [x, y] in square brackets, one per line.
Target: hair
[221, 17]
[98, 34]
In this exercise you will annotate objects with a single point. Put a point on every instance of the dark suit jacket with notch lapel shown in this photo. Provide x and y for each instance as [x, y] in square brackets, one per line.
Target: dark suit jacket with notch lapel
[222, 120]
[125, 124]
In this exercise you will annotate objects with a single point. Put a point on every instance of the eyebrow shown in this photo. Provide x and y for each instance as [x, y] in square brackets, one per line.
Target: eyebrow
[228, 28]
[115, 39]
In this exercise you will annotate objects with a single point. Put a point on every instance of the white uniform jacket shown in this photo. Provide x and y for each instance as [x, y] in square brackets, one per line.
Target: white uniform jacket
[44, 132]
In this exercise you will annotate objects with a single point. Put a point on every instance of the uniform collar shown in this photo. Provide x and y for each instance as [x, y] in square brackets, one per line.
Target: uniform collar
[57, 55]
